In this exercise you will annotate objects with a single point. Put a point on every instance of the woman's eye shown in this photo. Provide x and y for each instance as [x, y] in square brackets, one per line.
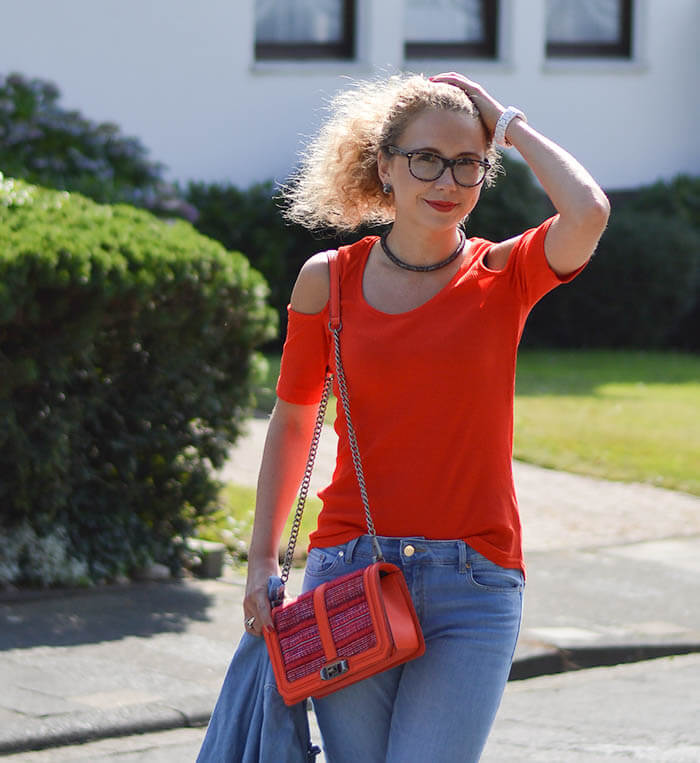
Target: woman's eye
[429, 158]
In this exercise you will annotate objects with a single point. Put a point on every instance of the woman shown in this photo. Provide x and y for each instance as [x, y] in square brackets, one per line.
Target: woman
[431, 324]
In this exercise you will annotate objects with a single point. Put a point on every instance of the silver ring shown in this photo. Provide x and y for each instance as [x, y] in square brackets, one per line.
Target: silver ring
[249, 622]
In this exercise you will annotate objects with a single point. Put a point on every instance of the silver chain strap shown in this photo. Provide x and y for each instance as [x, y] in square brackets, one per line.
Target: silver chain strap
[304, 490]
[345, 400]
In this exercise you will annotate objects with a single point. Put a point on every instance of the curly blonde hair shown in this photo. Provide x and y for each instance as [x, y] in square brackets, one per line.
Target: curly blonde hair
[337, 184]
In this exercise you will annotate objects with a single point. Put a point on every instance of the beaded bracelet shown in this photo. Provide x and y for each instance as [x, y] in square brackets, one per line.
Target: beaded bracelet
[499, 134]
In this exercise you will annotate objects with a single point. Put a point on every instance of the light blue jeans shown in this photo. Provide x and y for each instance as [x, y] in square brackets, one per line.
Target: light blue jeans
[439, 707]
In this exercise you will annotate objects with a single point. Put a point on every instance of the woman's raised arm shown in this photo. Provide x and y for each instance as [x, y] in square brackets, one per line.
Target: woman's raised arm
[582, 206]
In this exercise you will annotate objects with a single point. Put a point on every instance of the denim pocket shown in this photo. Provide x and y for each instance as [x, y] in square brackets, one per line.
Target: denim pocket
[487, 575]
[322, 562]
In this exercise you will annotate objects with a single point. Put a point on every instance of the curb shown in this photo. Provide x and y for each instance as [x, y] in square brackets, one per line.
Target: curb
[565, 660]
[108, 725]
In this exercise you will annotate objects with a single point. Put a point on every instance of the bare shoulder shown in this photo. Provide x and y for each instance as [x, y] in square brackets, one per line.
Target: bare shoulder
[312, 287]
[498, 254]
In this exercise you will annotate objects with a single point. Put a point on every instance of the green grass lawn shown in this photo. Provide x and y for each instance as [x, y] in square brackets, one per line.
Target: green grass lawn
[632, 416]
[233, 523]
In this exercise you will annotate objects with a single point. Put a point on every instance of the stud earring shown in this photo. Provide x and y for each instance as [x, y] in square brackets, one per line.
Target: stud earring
[387, 188]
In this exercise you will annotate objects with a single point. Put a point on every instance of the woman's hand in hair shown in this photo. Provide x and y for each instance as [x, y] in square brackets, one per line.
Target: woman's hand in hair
[582, 207]
[489, 108]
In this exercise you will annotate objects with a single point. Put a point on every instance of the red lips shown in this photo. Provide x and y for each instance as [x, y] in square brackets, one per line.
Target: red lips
[441, 206]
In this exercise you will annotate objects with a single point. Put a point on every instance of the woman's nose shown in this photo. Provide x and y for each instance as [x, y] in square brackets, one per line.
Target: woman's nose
[446, 179]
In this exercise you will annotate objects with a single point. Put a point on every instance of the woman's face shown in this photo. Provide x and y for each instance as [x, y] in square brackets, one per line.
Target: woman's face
[440, 203]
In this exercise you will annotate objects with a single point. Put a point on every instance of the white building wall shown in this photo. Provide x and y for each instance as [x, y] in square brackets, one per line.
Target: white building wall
[182, 77]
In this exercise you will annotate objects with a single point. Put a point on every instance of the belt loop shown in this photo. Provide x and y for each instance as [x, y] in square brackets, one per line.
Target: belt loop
[350, 549]
[462, 556]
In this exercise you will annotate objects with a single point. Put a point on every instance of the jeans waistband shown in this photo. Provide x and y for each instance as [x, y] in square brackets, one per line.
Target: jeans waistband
[412, 550]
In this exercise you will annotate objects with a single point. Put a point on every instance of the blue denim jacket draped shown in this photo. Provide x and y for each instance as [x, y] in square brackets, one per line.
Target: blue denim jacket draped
[250, 722]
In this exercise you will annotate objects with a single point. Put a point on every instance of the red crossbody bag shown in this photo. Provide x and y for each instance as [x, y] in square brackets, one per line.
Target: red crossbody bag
[356, 625]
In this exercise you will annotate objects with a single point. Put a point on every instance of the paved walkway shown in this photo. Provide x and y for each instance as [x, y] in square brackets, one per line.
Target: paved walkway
[614, 575]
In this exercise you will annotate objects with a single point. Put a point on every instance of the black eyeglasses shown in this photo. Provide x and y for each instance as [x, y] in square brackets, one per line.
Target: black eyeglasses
[427, 166]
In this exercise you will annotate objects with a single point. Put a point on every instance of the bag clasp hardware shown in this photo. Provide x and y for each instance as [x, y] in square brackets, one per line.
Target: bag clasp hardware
[334, 669]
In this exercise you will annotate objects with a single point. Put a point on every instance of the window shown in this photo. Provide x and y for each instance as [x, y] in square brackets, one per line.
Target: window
[304, 29]
[451, 28]
[589, 29]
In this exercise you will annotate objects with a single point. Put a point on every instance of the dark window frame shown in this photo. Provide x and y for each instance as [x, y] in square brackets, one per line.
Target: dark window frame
[341, 50]
[621, 48]
[486, 48]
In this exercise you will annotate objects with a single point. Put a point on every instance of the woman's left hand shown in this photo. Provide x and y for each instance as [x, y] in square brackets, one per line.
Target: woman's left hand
[489, 108]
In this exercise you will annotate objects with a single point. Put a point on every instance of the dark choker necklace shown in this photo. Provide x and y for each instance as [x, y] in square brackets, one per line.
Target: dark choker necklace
[423, 268]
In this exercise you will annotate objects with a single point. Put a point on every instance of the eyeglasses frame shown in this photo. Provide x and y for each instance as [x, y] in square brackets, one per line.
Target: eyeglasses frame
[393, 150]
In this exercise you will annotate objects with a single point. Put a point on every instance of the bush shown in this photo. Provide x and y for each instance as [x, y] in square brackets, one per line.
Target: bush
[126, 360]
[677, 200]
[642, 288]
[43, 143]
[514, 204]
[40, 560]
[250, 221]
[46, 144]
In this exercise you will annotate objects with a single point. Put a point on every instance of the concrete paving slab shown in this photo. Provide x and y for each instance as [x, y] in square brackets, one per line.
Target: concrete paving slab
[176, 746]
[648, 712]
[679, 553]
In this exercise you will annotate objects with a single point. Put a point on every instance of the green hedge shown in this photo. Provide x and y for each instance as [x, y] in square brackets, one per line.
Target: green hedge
[642, 288]
[126, 360]
[250, 221]
[509, 207]
[45, 143]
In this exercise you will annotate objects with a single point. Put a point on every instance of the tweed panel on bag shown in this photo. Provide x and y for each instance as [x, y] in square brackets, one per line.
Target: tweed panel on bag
[350, 622]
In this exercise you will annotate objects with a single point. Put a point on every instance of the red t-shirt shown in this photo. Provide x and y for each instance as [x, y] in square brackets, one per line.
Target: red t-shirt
[431, 397]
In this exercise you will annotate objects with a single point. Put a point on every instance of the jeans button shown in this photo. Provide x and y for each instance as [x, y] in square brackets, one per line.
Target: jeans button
[409, 551]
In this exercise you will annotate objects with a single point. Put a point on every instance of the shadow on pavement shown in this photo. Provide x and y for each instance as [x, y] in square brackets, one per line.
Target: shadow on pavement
[70, 618]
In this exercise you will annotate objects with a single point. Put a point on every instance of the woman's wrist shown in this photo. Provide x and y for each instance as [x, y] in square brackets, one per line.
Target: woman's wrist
[505, 121]
[263, 553]
[262, 558]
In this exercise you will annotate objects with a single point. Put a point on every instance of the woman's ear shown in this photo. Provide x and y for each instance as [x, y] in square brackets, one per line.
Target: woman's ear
[383, 167]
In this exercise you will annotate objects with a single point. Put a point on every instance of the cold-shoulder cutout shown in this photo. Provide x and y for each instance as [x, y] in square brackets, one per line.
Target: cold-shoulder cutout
[312, 288]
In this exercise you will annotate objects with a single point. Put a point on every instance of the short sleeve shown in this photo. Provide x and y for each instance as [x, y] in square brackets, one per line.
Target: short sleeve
[530, 267]
[304, 357]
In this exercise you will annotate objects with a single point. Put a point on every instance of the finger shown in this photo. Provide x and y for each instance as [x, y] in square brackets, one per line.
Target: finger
[443, 75]
[264, 621]
[453, 78]
[262, 612]
[250, 624]
[253, 624]
[446, 79]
